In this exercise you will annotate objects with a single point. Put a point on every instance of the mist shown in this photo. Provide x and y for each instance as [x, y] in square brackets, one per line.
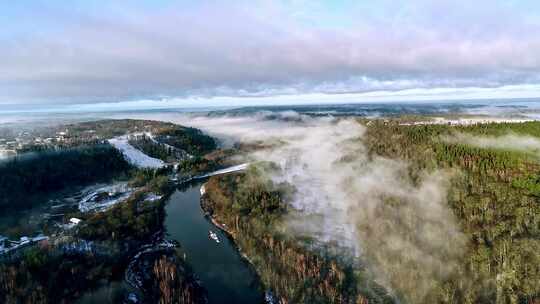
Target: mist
[509, 141]
[366, 206]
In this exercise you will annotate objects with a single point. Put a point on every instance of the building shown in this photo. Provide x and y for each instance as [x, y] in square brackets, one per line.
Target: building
[75, 220]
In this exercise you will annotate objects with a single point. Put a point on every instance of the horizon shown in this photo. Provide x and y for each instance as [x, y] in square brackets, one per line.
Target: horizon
[270, 151]
[218, 53]
[163, 105]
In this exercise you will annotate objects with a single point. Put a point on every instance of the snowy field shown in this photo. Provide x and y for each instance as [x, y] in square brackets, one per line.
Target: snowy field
[134, 156]
[103, 198]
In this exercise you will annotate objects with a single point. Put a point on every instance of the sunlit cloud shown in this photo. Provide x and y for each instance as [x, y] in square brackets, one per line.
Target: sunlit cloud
[88, 52]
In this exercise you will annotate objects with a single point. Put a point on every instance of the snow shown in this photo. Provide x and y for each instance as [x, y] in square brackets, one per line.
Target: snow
[152, 197]
[134, 156]
[74, 220]
[115, 194]
[40, 238]
[173, 148]
[203, 189]
[133, 278]
[269, 297]
[79, 246]
[23, 242]
[132, 298]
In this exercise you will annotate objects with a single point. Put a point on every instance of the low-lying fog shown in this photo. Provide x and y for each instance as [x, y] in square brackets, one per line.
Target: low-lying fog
[343, 196]
[509, 141]
[367, 207]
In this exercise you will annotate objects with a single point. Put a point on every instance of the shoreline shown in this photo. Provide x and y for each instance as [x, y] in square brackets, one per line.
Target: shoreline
[229, 235]
[223, 228]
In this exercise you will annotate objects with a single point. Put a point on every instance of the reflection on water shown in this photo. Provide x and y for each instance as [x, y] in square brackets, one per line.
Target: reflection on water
[226, 276]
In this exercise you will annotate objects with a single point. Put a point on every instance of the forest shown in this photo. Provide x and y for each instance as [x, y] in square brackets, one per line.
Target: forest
[191, 140]
[493, 193]
[98, 252]
[155, 149]
[40, 173]
[174, 143]
[252, 209]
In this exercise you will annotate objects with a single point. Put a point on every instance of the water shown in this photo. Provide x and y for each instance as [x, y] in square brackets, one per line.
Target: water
[113, 292]
[227, 277]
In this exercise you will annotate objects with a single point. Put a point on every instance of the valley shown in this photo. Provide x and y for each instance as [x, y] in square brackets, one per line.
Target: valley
[459, 224]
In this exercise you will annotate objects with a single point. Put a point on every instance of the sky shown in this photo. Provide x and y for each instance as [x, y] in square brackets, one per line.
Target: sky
[204, 53]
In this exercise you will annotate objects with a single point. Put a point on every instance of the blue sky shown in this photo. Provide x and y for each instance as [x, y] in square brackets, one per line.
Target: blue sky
[255, 52]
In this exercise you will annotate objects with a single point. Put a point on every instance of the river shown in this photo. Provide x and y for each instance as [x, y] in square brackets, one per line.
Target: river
[224, 273]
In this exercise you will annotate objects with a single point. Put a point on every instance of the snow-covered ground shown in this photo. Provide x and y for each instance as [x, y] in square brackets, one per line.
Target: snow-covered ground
[152, 138]
[101, 199]
[152, 197]
[173, 148]
[134, 156]
[7, 246]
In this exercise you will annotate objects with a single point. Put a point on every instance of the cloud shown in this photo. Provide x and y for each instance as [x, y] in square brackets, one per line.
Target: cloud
[366, 206]
[509, 141]
[266, 48]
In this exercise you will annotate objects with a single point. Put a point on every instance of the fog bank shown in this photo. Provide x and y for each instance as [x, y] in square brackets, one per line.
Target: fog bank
[509, 141]
[367, 206]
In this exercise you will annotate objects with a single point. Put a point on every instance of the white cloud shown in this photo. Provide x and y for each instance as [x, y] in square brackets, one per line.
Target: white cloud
[350, 199]
[262, 48]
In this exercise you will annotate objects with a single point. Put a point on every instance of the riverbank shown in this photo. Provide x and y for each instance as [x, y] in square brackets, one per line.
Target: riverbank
[226, 275]
[293, 273]
[222, 227]
[109, 233]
